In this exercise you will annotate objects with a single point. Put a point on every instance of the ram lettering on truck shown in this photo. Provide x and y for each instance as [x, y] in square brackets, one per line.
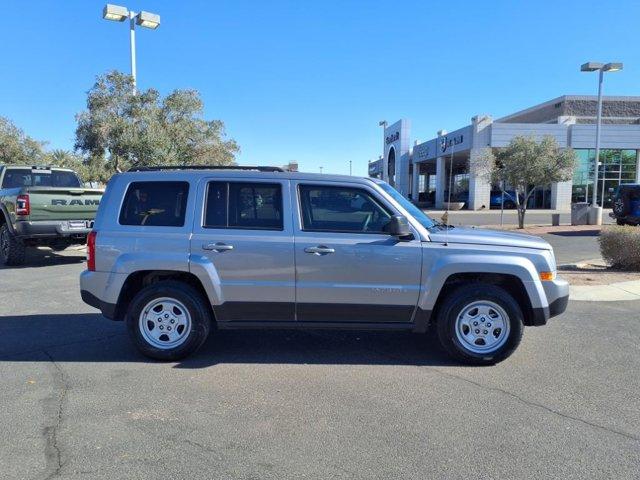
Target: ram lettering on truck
[60, 201]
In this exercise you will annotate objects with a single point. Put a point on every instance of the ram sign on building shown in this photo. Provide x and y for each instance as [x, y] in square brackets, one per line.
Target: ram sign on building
[429, 172]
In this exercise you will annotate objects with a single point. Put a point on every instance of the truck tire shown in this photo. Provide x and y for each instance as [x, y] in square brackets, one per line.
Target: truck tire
[168, 320]
[12, 250]
[480, 324]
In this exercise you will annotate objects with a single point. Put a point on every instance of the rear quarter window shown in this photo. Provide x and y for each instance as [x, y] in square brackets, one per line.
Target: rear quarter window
[155, 204]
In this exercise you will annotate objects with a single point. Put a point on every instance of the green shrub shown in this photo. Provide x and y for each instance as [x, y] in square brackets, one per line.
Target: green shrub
[620, 246]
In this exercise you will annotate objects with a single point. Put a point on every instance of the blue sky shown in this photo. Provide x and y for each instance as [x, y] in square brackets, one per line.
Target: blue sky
[309, 81]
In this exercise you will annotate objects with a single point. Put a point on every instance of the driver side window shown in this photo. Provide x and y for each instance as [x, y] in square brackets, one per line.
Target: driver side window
[327, 208]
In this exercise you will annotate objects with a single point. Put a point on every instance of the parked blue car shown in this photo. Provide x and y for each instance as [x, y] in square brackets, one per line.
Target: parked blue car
[495, 199]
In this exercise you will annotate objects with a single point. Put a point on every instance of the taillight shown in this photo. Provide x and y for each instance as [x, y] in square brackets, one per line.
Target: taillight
[22, 205]
[91, 250]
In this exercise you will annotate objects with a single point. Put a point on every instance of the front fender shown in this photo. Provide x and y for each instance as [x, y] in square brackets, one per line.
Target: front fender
[440, 267]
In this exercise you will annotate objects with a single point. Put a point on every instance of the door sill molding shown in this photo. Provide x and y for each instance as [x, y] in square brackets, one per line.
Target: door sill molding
[235, 325]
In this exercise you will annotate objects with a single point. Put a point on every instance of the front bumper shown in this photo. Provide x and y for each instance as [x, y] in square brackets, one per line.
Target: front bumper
[57, 228]
[557, 292]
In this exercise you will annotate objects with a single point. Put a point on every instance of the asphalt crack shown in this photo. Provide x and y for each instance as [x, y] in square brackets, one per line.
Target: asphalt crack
[514, 396]
[54, 411]
[531, 403]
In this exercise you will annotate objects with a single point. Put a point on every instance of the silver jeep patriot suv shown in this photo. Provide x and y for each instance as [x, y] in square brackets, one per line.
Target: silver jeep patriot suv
[177, 251]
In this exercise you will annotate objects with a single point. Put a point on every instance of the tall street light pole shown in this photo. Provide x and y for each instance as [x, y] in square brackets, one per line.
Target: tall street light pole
[595, 214]
[118, 13]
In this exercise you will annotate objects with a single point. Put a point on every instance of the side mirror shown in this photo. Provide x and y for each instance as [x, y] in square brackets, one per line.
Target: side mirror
[398, 226]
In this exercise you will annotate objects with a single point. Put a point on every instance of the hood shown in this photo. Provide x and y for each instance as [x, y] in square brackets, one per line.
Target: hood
[479, 236]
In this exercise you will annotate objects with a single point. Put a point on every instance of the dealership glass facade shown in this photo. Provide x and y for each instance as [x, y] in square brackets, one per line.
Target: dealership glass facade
[616, 166]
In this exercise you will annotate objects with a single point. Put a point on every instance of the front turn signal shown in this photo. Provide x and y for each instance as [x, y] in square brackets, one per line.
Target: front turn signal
[547, 276]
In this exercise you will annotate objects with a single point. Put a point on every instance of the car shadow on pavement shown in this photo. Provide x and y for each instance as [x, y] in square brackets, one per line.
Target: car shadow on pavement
[44, 257]
[92, 338]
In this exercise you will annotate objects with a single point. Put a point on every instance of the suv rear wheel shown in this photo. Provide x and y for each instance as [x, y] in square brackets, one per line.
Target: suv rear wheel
[168, 320]
[480, 324]
[12, 250]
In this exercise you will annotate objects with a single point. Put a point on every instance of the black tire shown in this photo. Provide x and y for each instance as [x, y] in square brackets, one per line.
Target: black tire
[454, 304]
[12, 250]
[619, 221]
[196, 306]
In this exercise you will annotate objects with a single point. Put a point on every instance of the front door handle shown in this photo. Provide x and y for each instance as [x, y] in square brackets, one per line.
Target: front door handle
[218, 247]
[320, 250]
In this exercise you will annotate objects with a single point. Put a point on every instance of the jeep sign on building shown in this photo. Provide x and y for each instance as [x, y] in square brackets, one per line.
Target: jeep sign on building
[429, 172]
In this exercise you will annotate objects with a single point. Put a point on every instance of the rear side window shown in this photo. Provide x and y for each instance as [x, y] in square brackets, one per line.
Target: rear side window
[155, 204]
[243, 205]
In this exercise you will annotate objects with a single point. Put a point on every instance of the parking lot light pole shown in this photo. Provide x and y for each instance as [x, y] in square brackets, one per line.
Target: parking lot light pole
[118, 13]
[595, 214]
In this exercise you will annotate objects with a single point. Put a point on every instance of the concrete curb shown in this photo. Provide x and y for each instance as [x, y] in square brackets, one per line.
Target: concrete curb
[614, 292]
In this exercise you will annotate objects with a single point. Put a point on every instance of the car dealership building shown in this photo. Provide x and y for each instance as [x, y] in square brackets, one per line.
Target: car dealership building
[426, 171]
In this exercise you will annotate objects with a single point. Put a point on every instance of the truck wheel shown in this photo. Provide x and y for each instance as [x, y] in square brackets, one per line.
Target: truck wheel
[620, 222]
[168, 320]
[12, 250]
[480, 324]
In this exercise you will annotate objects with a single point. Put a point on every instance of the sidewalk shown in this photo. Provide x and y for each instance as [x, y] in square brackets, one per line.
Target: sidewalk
[614, 292]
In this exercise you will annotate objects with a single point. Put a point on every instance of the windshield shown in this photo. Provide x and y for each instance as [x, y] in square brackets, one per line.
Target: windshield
[26, 177]
[414, 211]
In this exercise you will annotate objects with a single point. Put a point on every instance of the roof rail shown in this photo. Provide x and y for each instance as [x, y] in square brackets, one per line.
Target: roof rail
[207, 167]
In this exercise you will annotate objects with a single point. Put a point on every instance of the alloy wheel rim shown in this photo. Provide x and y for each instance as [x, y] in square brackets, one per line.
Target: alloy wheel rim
[482, 326]
[165, 323]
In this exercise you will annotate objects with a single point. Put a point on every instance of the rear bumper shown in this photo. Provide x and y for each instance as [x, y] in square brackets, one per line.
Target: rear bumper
[102, 290]
[107, 309]
[625, 218]
[53, 229]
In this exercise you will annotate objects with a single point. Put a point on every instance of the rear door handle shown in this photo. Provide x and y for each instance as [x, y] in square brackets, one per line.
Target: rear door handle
[320, 250]
[218, 247]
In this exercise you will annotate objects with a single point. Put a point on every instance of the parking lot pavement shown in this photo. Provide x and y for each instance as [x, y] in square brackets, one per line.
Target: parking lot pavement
[572, 247]
[79, 402]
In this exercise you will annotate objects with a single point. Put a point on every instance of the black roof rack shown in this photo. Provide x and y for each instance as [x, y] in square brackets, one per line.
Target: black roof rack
[207, 167]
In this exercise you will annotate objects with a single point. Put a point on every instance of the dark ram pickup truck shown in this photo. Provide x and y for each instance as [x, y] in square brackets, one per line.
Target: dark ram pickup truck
[43, 206]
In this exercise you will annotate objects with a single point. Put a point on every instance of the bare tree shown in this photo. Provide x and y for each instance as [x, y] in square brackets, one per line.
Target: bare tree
[526, 164]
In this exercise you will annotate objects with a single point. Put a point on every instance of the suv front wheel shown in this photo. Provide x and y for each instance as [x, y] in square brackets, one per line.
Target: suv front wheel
[480, 324]
[168, 320]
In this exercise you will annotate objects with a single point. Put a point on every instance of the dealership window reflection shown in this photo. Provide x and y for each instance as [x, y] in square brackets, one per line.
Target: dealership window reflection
[616, 167]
